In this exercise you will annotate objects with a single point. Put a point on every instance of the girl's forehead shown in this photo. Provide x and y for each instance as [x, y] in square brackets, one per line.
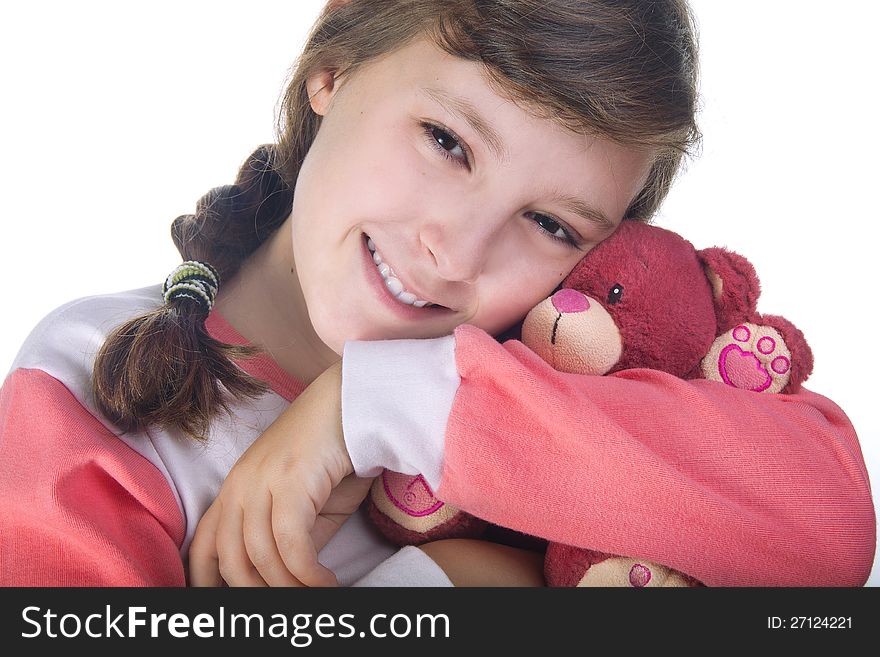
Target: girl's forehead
[421, 62]
[422, 71]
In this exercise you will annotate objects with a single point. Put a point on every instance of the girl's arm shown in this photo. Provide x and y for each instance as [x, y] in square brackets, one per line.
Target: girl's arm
[729, 486]
[78, 507]
[469, 562]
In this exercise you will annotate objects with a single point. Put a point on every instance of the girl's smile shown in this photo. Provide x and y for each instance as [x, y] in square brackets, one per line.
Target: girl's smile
[396, 292]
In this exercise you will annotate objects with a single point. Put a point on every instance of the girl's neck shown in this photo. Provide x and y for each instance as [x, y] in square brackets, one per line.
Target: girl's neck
[264, 303]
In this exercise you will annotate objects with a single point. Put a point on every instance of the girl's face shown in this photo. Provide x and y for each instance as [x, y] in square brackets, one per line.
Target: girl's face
[471, 203]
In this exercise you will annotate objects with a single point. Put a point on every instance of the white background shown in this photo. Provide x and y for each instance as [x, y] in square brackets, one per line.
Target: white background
[117, 117]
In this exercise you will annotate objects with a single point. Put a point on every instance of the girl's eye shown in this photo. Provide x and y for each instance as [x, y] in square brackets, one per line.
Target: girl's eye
[553, 229]
[446, 143]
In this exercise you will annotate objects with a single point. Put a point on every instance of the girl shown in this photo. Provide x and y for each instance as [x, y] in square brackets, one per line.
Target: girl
[435, 134]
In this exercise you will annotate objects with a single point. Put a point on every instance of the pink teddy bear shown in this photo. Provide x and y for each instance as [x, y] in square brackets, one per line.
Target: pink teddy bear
[643, 298]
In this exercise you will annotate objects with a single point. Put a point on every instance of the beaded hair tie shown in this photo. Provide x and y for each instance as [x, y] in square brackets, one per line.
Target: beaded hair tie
[194, 280]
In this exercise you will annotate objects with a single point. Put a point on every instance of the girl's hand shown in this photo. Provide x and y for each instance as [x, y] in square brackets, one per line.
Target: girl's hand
[283, 500]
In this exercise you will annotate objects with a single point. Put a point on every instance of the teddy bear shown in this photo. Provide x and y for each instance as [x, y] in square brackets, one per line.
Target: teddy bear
[643, 298]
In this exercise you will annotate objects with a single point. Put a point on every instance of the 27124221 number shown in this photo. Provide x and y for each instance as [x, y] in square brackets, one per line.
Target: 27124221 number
[809, 623]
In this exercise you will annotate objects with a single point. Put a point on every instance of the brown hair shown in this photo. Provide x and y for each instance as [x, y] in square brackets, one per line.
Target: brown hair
[623, 70]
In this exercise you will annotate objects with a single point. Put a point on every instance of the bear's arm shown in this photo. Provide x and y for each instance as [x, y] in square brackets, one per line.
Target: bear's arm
[729, 486]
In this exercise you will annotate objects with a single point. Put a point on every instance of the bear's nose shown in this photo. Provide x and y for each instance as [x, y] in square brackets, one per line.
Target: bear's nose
[570, 301]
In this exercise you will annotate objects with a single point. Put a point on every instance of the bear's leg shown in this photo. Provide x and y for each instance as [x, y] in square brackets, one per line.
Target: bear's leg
[570, 566]
[405, 510]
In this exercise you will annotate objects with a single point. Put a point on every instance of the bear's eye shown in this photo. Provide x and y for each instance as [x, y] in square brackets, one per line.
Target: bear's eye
[615, 293]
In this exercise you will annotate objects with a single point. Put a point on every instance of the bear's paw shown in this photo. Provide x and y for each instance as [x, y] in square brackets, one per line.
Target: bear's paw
[750, 357]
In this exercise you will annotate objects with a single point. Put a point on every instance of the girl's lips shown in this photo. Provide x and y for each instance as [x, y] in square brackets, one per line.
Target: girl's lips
[384, 295]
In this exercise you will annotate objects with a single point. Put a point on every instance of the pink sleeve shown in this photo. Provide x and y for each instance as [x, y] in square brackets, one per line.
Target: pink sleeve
[78, 507]
[730, 486]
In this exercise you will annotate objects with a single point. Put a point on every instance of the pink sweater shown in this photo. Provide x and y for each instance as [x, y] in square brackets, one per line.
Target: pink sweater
[729, 486]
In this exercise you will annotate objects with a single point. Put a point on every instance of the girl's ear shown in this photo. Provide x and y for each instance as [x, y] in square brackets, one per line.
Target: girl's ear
[735, 286]
[321, 87]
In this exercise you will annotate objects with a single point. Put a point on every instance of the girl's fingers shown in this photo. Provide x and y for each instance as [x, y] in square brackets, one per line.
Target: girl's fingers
[326, 526]
[260, 543]
[292, 521]
[236, 568]
[204, 565]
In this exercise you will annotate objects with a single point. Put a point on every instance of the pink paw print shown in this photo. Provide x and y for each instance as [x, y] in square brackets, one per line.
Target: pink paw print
[639, 575]
[749, 357]
[411, 494]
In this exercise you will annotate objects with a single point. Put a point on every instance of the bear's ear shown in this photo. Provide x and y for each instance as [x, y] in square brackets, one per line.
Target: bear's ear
[735, 286]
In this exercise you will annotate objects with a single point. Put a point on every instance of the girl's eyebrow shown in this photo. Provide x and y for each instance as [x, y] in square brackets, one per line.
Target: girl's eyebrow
[465, 110]
[586, 212]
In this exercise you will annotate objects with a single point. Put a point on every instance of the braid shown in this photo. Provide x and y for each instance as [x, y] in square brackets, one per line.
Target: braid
[231, 221]
[191, 375]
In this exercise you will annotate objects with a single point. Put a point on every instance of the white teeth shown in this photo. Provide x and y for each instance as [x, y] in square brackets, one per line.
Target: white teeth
[392, 282]
[394, 285]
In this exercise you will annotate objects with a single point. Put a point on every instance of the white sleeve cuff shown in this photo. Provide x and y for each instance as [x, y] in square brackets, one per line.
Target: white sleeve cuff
[396, 400]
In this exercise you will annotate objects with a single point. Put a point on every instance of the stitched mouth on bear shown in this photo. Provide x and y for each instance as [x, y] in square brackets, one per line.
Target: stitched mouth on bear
[555, 326]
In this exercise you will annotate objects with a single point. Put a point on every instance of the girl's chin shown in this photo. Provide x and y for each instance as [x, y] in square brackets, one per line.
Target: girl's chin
[393, 333]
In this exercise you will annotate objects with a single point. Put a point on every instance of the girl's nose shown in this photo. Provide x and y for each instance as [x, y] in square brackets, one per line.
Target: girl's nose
[570, 301]
[459, 253]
